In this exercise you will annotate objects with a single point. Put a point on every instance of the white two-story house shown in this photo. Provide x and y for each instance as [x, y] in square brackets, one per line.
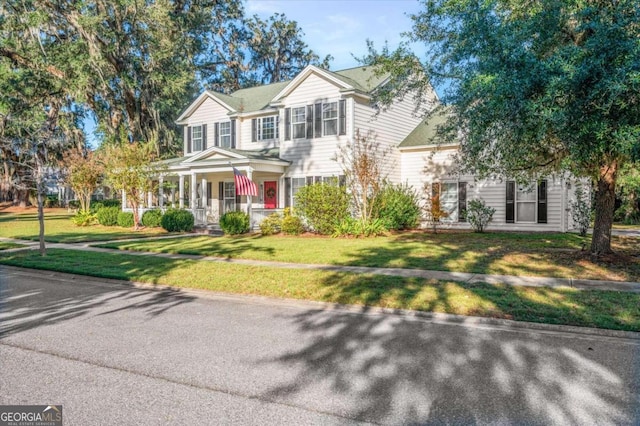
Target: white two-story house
[286, 135]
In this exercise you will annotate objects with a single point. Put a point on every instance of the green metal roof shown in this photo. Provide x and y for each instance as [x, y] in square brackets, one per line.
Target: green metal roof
[426, 131]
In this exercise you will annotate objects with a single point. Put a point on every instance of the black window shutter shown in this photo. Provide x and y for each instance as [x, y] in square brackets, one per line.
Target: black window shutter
[309, 180]
[462, 201]
[233, 133]
[204, 137]
[216, 134]
[342, 180]
[277, 129]
[511, 198]
[287, 192]
[221, 191]
[287, 124]
[254, 130]
[317, 121]
[189, 139]
[342, 113]
[238, 201]
[310, 122]
[542, 201]
[208, 191]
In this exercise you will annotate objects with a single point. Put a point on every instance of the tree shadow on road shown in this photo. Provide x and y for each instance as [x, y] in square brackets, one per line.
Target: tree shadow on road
[41, 306]
[390, 369]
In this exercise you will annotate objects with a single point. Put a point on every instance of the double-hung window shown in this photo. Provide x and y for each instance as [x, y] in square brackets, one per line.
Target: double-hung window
[453, 200]
[225, 134]
[229, 197]
[196, 138]
[298, 122]
[526, 203]
[330, 119]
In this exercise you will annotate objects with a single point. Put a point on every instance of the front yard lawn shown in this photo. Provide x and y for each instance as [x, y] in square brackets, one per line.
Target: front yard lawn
[525, 254]
[59, 228]
[6, 245]
[603, 309]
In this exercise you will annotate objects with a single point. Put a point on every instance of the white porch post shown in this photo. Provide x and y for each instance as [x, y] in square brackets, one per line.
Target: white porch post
[149, 199]
[194, 193]
[203, 187]
[173, 195]
[160, 192]
[124, 200]
[249, 175]
[181, 192]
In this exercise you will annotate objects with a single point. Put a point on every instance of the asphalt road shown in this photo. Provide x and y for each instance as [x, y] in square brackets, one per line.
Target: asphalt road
[116, 354]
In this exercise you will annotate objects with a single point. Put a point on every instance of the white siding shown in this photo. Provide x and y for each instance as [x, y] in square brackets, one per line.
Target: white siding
[209, 113]
[313, 157]
[421, 168]
[390, 127]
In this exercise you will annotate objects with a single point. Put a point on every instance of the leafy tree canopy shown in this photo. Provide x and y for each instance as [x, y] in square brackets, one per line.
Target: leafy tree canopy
[535, 86]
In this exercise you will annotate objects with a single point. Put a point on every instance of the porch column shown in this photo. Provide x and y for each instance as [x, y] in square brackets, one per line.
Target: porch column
[173, 195]
[194, 193]
[149, 199]
[249, 175]
[124, 200]
[203, 186]
[160, 192]
[181, 193]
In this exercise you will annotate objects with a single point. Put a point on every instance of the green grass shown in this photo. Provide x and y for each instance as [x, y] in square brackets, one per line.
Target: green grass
[7, 245]
[603, 309]
[524, 254]
[59, 228]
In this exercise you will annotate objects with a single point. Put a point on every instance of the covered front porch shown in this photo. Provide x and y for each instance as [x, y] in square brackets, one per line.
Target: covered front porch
[205, 185]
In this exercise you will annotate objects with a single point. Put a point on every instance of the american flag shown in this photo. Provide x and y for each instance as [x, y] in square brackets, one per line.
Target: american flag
[244, 186]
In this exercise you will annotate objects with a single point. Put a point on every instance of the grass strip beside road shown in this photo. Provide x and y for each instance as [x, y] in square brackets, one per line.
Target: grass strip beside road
[524, 254]
[602, 309]
[60, 229]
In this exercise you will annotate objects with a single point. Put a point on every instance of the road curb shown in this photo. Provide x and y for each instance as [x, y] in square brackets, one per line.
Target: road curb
[440, 318]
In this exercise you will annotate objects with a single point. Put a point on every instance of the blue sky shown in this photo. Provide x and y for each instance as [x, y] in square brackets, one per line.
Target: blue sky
[341, 27]
[338, 28]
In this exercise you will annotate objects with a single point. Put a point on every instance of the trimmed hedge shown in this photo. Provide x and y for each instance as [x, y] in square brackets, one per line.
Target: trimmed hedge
[108, 216]
[125, 219]
[176, 220]
[234, 223]
[152, 218]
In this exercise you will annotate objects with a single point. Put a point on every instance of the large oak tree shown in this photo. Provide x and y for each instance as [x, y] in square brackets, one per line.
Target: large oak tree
[536, 86]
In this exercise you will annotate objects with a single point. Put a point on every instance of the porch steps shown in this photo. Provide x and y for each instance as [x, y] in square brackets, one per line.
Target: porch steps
[208, 230]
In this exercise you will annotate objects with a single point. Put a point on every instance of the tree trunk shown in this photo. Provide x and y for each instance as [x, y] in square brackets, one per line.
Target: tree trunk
[604, 207]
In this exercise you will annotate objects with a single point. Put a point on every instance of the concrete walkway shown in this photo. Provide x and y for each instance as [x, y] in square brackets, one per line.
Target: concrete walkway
[466, 277]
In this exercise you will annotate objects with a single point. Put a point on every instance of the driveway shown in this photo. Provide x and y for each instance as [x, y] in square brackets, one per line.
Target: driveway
[117, 354]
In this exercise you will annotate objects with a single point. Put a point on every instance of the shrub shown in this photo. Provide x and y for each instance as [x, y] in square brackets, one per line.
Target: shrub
[108, 216]
[323, 206]
[291, 224]
[397, 206]
[234, 223]
[356, 228]
[111, 203]
[177, 220]
[152, 218]
[83, 219]
[479, 215]
[125, 219]
[51, 201]
[74, 204]
[581, 211]
[271, 224]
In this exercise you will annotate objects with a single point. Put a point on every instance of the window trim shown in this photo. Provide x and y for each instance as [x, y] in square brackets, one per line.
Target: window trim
[517, 202]
[260, 129]
[303, 122]
[222, 135]
[193, 138]
[458, 218]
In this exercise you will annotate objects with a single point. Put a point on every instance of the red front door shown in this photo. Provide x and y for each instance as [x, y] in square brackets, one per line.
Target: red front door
[270, 195]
